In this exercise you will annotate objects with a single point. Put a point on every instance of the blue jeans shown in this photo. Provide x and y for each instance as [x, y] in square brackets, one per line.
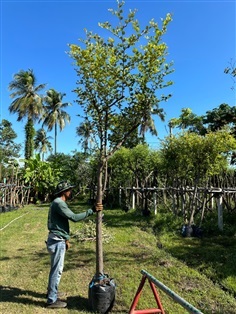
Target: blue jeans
[57, 251]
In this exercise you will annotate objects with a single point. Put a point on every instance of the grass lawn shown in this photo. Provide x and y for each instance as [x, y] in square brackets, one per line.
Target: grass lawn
[132, 247]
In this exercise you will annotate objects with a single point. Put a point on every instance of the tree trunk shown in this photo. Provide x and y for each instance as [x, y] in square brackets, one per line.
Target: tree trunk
[29, 139]
[99, 247]
[55, 140]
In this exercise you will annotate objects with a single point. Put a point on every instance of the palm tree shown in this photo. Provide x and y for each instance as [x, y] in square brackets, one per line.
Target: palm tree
[85, 131]
[54, 114]
[27, 104]
[42, 143]
[148, 123]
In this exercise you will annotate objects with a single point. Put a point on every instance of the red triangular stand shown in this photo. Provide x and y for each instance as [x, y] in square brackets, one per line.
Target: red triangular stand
[159, 308]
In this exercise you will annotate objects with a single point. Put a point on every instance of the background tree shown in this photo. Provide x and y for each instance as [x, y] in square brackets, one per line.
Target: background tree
[219, 117]
[41, 177]
[213, 120]
[42, 142]
[118, 84]
[27, 104]
[190, 159]
[85, 131]
[139, 163]
[54, 115]
[148, 123]
[8, 148]
[188, 120]
[136, 167]
[81, 174]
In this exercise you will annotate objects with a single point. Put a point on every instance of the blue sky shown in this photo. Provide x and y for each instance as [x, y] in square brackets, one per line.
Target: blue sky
[201, 42]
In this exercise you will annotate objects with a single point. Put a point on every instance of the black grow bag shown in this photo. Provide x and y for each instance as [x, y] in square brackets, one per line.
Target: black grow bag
[187, 231]
[102, 294]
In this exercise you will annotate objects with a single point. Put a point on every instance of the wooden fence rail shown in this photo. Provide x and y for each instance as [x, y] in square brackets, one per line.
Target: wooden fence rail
[188, 201]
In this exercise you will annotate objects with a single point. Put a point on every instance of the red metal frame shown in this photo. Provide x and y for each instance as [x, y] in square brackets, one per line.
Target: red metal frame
[137, 296]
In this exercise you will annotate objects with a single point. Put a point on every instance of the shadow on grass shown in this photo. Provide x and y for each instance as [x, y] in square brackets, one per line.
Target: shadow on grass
[78, 303]
[216, 255]
[20, 296]
[119, 218]
[83, 258]
[16, 295]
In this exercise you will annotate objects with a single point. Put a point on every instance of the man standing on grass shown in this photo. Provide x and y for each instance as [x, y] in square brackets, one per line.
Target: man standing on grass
[58, 239]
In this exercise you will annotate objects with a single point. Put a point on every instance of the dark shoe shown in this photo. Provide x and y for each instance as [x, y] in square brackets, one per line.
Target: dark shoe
[57, 305]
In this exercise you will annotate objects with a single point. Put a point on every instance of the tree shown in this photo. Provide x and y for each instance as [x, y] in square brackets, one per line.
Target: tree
[192, 159]
[119, 78]
[27, 103]
[8, 148]
[85, 131]
[54, 115]
[81, 174]
[188, 120]
[41, 177]
[42, 142]
[148, 123]
[220, 117]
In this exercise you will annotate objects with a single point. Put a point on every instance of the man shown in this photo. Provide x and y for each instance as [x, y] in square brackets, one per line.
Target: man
[58, 239]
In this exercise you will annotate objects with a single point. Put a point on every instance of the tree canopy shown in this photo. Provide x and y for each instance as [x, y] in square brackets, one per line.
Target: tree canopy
[54, 113]
[8, 148]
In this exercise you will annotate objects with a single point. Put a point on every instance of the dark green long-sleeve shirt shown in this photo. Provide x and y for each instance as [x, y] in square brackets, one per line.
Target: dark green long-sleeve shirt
[59, 216]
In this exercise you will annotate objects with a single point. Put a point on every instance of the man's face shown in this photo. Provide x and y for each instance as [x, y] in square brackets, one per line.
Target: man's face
[68, 194]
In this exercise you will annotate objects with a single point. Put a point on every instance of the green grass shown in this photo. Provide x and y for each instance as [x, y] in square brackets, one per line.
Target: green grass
[200, 271]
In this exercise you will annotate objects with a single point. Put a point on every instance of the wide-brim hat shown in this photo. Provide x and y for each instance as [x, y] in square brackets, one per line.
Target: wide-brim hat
[63, 186]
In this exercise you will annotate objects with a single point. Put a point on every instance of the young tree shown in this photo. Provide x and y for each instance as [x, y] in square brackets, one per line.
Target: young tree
[27, 103]
[192, 159]
[119, 79]
[133, 167]
[54, 115]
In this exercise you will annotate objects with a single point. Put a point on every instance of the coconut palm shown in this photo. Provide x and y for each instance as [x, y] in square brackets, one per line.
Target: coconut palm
[148, 123]
[54, 114]
[27, 103]
[85, 131]
[42, 142]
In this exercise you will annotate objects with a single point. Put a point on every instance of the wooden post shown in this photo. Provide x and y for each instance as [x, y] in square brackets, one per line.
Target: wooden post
[155, 200]
[220, 211]
[120, 195]
[133, 198]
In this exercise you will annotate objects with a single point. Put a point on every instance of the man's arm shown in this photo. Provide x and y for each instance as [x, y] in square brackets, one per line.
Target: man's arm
[66, 212]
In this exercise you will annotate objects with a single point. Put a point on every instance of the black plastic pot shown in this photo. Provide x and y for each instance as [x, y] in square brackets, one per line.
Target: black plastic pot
[102, 294]
[187, 231]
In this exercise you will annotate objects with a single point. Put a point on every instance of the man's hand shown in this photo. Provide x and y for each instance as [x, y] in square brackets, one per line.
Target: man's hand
[97, 207]
[67, 245]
